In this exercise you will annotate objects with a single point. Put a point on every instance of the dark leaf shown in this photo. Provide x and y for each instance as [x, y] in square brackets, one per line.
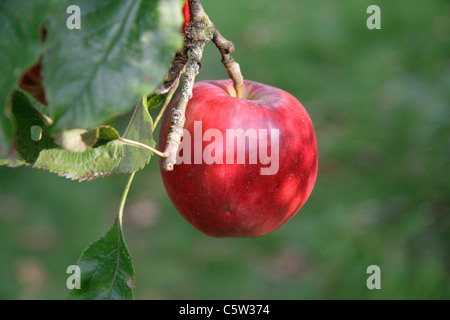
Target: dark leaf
[20, 46]
[26, 120]
[107, 271]
[156, 100]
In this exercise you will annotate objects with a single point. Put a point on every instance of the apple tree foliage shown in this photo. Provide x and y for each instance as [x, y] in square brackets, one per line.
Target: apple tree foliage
[91, 75]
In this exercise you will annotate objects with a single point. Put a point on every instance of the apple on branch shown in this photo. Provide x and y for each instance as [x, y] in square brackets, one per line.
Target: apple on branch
[245, 165]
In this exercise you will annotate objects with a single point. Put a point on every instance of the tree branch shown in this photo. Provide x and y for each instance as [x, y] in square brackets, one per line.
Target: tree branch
[233, 69]
[200, 31]
[178, 116]
[178, 64]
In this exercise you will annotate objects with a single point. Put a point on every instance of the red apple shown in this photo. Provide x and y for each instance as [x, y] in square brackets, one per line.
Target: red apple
[226, 187]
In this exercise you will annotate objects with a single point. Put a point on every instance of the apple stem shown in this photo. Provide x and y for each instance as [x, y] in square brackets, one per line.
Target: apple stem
[233, 69]
[166, 102]
[124, 198]
[142, 146]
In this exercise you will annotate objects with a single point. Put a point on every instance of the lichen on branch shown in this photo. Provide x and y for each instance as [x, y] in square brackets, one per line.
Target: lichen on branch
[178, 116]
[188, 62]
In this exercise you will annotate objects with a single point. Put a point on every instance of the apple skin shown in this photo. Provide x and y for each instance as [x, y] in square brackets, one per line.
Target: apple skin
[235, 200]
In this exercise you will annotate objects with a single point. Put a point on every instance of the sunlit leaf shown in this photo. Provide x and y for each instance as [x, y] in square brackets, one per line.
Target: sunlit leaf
[88, 165]
[121, 52]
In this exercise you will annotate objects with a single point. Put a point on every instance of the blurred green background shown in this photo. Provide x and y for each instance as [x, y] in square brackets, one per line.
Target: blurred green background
[379, 100]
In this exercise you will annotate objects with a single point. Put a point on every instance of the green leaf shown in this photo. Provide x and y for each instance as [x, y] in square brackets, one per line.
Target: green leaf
[156, 100]
[20, 46]
[139, 129]
[107, 271]
[107, 133]
[88, 165]
[26, 119]
[36, 145]
[122, 52]
[17, 162]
